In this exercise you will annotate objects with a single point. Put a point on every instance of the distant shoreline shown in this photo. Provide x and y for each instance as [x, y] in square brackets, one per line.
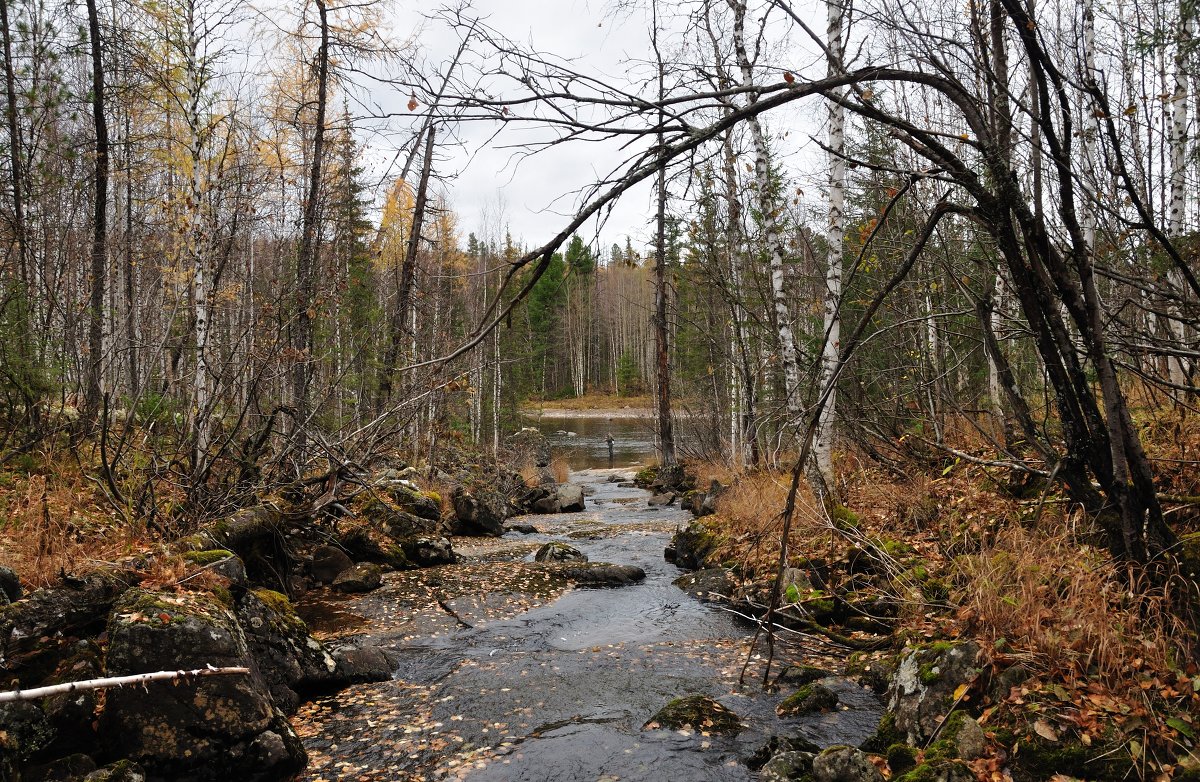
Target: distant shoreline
[598, 413]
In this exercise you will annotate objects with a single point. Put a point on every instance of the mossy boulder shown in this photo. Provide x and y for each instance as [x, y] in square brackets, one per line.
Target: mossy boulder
[807, 699]
[24, 731]
[886, 735]
[208, 729]
[290, 659]
[72, 714]
[693, 546]
[222, 562]
[596, 574]
[398, 524]
[800, 675]
[787, 766]
[556, 551]
[1034, 758]
[698, 712]
[922, 690]
[900, 758]
[479, 511]
[37, 631]
[939, 771]
[871, 672]
[327, 563]
[711, 584]
[363, 577]
[844, 764]
[409, 499]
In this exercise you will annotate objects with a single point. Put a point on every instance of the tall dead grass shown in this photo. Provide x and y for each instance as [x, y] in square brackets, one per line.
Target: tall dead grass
[559, 468]
[1064, 608]
[750, 509]
[55, 524]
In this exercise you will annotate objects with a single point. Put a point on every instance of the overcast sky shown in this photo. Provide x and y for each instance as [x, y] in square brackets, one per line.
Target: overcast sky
[491, 187]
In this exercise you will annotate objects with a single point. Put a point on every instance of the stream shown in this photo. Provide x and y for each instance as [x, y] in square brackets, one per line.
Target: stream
[503, 673]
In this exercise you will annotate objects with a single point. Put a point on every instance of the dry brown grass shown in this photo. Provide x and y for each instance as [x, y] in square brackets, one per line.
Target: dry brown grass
[1063, 607]
[594, 401]
[750, 523]
[55, 523]
[560, 469]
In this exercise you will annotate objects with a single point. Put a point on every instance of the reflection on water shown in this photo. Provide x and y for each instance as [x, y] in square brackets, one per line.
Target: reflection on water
[582, 441]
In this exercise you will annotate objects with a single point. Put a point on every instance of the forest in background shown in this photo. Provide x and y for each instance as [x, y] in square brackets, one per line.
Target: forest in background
[199, 283]
[913, 270]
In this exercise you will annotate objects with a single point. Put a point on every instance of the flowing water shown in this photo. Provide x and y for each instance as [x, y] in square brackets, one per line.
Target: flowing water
[502, 674]
[583, 439]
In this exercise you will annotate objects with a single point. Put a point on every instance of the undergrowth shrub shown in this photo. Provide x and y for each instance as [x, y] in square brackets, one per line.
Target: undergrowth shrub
[1064, 607]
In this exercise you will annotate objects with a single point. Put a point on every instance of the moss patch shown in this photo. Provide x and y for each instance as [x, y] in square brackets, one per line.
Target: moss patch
[807, 699]
[698, 712]
[886, 735]
[208, 557]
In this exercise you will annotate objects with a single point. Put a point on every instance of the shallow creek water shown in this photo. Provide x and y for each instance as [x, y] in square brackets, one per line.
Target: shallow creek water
[503, 673]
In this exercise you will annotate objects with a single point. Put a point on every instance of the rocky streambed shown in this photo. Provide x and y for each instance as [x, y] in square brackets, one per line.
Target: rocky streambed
[507, 669]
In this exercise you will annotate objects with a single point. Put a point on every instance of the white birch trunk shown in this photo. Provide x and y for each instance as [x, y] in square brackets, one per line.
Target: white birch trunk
[769, 212]
[1177, 211]
[831, 347]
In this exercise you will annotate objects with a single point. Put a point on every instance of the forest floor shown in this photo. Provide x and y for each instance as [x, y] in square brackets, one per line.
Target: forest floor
[974, 553]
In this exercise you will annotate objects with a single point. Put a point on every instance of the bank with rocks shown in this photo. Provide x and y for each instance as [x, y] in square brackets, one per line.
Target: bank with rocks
[222, 597]
[957, 708]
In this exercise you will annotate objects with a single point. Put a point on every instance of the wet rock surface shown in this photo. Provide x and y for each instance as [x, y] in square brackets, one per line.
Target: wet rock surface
[507, 669]
[212, 728]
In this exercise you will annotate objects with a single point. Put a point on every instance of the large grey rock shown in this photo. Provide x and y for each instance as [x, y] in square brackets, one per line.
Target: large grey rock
[922, 689]
[414, 501]
[398, 524]
[570, 498]
[970, 741]
[693, 547]
[24, 731]
[360, 664]
[698, 712]
[555, 551]
[290, 659]
[597, 574]
[328, 562]
[10, 585]
[710, 584]
[37, 630]
[529, 446]
[844, 764]
[428, 551]
[478, 512]
[787, 767]
[210, 729]
[363, 577]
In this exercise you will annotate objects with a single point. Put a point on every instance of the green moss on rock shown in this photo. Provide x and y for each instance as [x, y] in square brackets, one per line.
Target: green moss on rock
[886, 735]
[698, 712]
[208, 557]
[901, 758]
[807, 699]
[846, 519]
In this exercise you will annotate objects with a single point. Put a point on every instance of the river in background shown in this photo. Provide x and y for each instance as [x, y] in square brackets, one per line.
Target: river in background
[582, 439]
